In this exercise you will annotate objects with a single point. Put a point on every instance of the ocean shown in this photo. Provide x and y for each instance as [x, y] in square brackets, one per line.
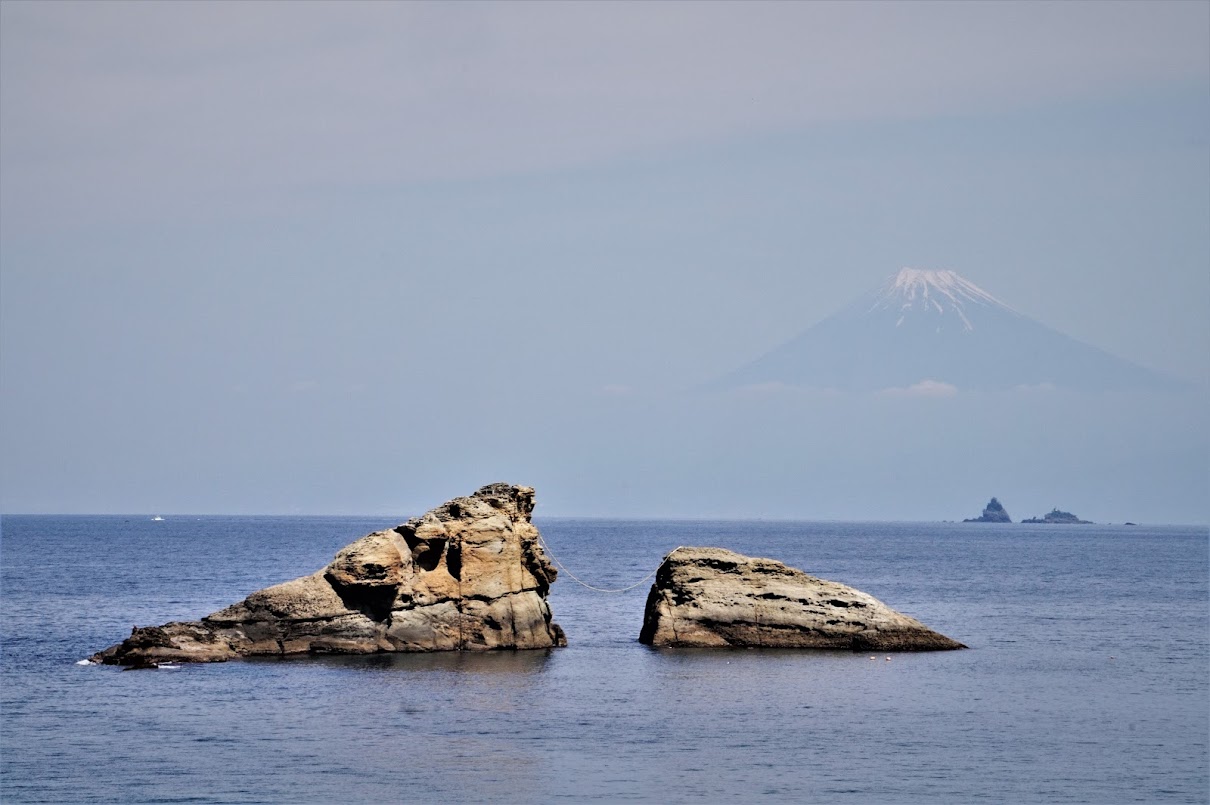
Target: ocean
[1087, 677]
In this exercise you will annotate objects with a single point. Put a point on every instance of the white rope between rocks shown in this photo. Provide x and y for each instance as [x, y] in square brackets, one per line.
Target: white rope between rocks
[583, 583]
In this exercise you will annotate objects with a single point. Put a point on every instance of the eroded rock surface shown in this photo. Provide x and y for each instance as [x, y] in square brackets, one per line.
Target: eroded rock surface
[469, 575]
[715, 597]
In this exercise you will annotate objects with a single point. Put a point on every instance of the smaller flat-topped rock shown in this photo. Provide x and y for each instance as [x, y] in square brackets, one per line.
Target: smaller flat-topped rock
[1056, 517]
[715, 597]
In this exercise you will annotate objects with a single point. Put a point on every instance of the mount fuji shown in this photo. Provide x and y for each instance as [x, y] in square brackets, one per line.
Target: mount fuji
[934, 330]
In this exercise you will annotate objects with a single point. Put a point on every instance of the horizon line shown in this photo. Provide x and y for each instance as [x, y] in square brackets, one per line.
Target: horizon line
[149, 516]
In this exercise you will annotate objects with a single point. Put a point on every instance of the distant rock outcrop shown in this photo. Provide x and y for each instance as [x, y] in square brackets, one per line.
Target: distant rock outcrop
[993, 513]
[1056, 517]
[469, 575]
[714, 597]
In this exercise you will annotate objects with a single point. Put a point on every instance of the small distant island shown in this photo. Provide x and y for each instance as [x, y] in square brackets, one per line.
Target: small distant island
[1056, 517]
[993, 513]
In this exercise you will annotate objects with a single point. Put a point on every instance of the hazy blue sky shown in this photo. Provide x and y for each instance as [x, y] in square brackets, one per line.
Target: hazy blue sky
[275, 257]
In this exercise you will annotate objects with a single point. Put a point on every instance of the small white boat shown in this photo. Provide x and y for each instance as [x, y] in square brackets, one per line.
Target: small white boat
[156, 519]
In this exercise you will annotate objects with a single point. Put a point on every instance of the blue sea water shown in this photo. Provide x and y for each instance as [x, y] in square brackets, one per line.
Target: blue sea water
[1087, 680]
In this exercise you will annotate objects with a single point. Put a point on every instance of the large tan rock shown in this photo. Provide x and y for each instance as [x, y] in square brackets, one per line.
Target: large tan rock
[469, 575]
[714, 597]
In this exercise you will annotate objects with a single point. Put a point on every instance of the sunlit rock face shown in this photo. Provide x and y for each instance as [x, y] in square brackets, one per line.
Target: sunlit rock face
[717, 598]
[469, 575]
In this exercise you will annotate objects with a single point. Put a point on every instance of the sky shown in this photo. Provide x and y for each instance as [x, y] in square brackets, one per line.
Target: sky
[326, 258]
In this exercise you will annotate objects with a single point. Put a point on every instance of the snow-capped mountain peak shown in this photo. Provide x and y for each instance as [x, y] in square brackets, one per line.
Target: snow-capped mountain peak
[934, 330]
[936, 292]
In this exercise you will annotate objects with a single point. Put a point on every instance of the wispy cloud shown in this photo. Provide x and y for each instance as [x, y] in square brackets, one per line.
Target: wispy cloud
[925, 388]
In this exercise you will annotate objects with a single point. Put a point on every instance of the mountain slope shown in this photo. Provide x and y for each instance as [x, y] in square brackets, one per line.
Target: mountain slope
[936, 327]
